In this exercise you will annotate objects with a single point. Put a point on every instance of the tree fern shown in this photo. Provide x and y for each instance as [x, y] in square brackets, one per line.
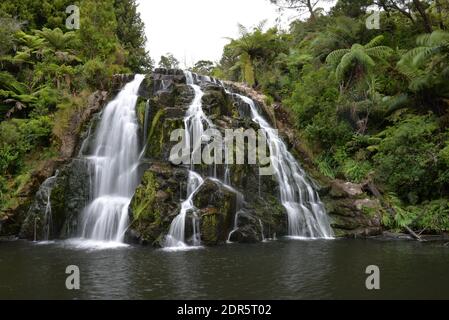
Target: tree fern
[56, 38]
[345, 60]
[374, 42]
[335, 56]
[421, 65]
[8, 82]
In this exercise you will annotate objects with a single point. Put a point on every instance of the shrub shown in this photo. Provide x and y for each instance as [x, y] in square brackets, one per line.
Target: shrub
[406, 162]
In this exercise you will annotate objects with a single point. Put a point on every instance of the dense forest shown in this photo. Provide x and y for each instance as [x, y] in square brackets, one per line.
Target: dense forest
[47, 74]
[369, 104]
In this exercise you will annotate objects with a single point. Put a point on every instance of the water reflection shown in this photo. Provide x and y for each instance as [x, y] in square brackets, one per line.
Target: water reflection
[274, 270]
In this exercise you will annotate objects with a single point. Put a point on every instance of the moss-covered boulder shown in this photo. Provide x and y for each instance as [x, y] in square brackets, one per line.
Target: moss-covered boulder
[217, 205]
[58, 203]
[156, 202]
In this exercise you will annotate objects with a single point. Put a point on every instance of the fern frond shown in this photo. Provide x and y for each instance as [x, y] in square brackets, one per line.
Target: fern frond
[344, 65]
[435, 38]
[379, 51]
[335, 56]
[374, 42]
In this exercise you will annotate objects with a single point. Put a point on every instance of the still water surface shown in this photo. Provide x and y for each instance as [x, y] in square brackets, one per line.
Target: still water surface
[274, 270]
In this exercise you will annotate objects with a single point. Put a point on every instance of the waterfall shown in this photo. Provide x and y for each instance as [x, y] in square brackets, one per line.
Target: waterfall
[238, 211]
[113, 164]
[176, 235]
[307, 217]
[194, 122]
[48, 218]
[42, 203]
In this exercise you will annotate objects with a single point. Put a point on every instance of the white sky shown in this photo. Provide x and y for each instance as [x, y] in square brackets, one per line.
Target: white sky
[195, 29]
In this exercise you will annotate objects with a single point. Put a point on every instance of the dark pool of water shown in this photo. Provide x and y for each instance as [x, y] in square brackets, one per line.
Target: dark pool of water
[274, 270]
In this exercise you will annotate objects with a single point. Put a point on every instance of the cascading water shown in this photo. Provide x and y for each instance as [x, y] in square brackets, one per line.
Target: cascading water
[238, 206]
[114, 164]
[306, 214]
[44, 194]
[176, 235]
[307, 217]
[194, 122]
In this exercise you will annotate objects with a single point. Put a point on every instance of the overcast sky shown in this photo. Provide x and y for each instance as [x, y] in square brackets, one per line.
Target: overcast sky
[195, 29]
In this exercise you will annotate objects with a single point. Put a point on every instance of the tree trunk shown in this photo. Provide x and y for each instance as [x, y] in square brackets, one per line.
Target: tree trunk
[311, 11]
[422, 12]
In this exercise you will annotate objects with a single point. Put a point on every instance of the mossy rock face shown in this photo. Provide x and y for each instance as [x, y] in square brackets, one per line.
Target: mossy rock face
[147, 87]
[217, 207]
[165, 115]
[69, 194]
[145, 209]
[159, 144]
[141, 110]
[155, 203]
[216, 102]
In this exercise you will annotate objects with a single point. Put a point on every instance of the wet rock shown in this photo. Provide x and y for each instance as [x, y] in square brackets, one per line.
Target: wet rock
[69, 194]
[217, 205]
[119, 81]
[342, 189]
[70, 138]
[155, 203]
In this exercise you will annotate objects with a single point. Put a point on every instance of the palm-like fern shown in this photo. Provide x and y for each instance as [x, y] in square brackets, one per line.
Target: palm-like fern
[426, 65]
[358, 59]
[56, 38]
[429, 45]
[247, 48]
[9, 83]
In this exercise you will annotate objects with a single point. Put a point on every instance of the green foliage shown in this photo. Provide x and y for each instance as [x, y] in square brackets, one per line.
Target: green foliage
[204, 67]
[358, 60]
[406, 158]
[131, 33]
[57, 39]
[427, 69]
[402, 217]
[429, 216]
[19, 137]
[252, 51]
[8, 27]
[368, 104]
[351, 8]
[48, 72]
[434, 215]
[95, 73]
[168, 62]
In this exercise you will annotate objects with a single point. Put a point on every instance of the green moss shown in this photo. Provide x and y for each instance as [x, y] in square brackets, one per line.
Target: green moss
[156, 135]
[143, 205]
[209, 225]
[140, 110]
[155, 122]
